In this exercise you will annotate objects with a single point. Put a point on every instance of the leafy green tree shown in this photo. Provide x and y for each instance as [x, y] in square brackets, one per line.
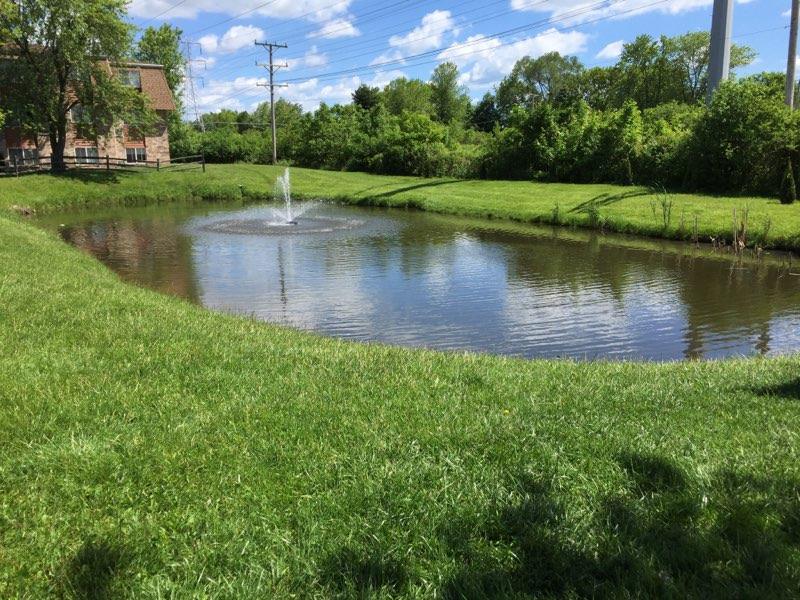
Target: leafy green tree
[412, 95]
[485, 116]
[742, 141]
[60, 54]
[449, 98]
[548, 78]
[162, 46]
[366, 97]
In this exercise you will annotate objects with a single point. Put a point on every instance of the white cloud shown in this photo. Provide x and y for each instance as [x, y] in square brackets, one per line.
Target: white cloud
[483, 61]
[578, 11]
[611, 51]
[314, 10]
[236, 38]
[429, 35]
[312, 58]
[336, 28]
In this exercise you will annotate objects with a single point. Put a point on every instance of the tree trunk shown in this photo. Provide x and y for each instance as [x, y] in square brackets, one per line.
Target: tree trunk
[58, 140]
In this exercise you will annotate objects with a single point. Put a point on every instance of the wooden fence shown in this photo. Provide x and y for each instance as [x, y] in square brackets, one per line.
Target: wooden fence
[17, 167]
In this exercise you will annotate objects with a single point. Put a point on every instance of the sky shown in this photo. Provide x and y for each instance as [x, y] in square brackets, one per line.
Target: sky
[336, 45]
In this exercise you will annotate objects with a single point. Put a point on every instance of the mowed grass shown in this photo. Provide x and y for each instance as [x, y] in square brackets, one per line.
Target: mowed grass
[613, 208]
[153, 449]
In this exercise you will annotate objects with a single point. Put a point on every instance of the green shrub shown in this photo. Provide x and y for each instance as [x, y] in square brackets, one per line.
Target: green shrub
[788, 189]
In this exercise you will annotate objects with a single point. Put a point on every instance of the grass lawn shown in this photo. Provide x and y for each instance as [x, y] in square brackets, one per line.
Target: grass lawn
[615, 208]
[150, 448]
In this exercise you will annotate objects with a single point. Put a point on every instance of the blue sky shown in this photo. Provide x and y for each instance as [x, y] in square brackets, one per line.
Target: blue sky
[336, 45]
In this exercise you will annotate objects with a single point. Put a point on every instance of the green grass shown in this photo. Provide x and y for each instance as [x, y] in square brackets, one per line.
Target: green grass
[150, 448]
[614, 208]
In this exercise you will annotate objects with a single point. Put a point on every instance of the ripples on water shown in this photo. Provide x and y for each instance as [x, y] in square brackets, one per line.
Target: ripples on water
[418, 279]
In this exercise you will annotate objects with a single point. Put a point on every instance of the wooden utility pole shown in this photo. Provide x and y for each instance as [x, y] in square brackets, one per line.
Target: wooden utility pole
[792, 60]
[720, 60]
[272, 68]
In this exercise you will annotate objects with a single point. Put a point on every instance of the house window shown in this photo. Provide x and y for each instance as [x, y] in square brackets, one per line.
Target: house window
[78, 114]
[87, 156]
[136, 155]
[131, 77]
[23, 156]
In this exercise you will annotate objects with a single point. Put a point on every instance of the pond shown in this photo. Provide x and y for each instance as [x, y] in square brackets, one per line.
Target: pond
[423, 280]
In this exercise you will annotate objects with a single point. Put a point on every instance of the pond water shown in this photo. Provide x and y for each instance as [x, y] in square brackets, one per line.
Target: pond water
[424, 280]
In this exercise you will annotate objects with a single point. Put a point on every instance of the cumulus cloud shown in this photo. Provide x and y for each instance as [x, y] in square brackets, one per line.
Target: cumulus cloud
[483, 61]
[234, 39]
[313, 10]
[429, 35]
[336, 28]
[578, 11]
[611, 51]
[312, 58]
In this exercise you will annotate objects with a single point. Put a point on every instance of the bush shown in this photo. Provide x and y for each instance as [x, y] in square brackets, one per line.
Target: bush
[740, 143]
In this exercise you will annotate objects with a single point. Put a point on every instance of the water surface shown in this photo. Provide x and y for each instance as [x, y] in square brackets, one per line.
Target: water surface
[418, 279]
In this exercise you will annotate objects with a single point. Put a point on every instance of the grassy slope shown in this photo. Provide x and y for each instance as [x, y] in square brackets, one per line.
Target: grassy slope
[151, 448]
[622, 209]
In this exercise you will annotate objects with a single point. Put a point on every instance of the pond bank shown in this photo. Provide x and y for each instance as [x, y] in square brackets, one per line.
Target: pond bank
[154, 448]
[612, 208]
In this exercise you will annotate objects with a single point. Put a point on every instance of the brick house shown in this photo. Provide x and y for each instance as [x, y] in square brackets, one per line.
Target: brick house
[122, 143]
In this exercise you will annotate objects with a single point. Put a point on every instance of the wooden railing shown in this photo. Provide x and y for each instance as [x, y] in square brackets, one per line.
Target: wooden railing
[17, 167]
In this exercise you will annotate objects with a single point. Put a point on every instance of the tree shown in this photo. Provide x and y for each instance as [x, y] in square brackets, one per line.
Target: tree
[485, 116]
[410, 95]
[61, 55]
[366, 97]
[548, 78]
[162, 46]
[449, 99]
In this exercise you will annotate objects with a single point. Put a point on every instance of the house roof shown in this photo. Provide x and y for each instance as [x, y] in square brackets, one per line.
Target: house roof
[154, 85]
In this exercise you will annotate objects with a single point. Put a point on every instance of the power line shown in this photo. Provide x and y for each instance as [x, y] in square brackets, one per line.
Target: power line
[587, 9]
[519, 29]
[162, 13]
[240, 60]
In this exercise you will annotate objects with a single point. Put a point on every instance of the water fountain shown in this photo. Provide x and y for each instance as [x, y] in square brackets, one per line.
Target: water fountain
[288, 218]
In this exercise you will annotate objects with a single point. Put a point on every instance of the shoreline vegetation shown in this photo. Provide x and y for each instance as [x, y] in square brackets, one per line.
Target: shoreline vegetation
[154, 448]
[749, 222]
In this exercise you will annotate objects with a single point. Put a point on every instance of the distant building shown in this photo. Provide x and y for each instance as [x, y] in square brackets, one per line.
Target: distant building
[123, 142]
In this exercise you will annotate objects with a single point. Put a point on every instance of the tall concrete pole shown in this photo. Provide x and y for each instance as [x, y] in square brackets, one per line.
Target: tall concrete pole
[792, 60]
[720, 61]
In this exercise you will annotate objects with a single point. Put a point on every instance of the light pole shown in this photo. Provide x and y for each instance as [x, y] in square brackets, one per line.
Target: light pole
[792, 59]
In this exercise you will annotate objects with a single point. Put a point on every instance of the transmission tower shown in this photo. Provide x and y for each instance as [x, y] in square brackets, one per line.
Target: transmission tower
[272, 68]
[190, 77]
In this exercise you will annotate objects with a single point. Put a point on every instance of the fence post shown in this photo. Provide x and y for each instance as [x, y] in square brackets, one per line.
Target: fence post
[158, 164]
[16, 166]
[108, 163]
[203, 160]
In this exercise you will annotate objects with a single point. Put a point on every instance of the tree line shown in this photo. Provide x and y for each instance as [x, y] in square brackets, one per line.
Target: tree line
[643, 120]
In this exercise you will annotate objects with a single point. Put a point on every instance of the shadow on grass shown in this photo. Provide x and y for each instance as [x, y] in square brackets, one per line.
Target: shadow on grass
[86, 176]
[607, 199]
[417, 186]
[662, 536]
[360, 575]
[786, 391]
[91, 571]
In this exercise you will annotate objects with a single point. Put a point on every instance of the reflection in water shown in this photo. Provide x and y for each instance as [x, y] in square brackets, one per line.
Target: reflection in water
[424, 280]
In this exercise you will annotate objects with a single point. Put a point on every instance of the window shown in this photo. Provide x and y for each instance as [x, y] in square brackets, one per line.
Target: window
[131, 77]
[78, 114]
[23, 156]
[136, 155]
[87, 156]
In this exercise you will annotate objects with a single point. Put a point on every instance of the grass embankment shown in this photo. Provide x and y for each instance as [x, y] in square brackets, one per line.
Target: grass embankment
[151, 448]
[614, 208]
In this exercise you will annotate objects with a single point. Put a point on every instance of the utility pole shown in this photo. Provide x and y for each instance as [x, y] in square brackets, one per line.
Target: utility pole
[272, 68]
[720, 60]
[190, 77]
[792, 60]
